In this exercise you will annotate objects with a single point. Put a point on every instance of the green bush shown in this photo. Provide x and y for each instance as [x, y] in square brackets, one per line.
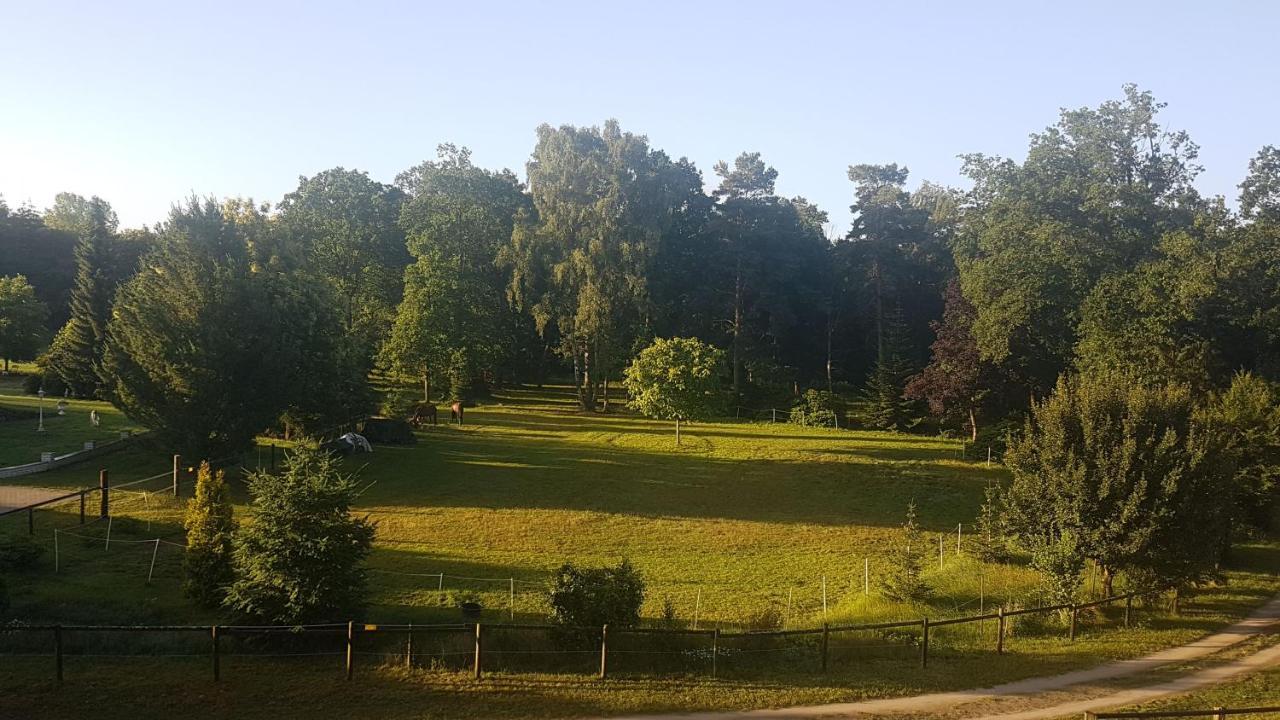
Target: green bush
[300, 559]
[820, 408]
[584, 599]
[19, 553]
[206, 566]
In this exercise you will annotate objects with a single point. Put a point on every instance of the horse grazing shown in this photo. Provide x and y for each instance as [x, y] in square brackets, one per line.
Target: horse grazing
[455, 412]
[422, 412]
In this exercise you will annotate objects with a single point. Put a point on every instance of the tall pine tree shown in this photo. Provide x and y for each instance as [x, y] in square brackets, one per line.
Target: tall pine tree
[76, 353]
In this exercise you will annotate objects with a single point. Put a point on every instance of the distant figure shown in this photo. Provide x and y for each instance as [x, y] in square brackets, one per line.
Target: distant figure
[421, 413]
[455, 412]
[62, 407]
[93, 418]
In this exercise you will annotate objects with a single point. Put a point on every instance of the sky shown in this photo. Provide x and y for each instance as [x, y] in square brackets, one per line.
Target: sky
[147, 103]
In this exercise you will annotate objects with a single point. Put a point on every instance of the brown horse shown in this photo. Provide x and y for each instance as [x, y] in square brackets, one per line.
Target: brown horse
[422, 412]
[455, 412]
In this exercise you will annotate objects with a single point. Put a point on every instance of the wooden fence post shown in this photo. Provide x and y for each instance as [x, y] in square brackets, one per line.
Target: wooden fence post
[57, 649]
[1220, 713]
[1074, 613]
[351, 641]
[924, 642]
[217, 653]
[104, 509]
[408, 649]
[81, 507]
[177, 463]
[1000, 630]
[826, 644]
[1128, 608]
[31, 521]
[477, 660]
[604, 651]
[715, 650]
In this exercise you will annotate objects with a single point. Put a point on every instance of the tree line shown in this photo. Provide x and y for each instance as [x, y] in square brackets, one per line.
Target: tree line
[1094, 253]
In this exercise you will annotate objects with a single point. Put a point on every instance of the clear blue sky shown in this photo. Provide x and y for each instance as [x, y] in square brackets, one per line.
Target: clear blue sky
[143, 103]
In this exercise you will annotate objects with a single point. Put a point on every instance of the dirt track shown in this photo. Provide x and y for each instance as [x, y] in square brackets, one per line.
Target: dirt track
[1049, 697]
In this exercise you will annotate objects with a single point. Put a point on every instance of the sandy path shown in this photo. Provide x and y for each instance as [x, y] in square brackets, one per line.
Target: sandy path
[952, 703]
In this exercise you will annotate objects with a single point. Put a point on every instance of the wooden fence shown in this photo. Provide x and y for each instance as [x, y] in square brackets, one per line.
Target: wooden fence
[475, 640]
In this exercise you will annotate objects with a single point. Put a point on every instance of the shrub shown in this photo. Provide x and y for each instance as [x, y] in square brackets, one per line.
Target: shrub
[206, 567]
[19, 553]
[52, 384]
[820, 408]
[400, 402]
[300, 559]
[1061, 563]
[592, 597]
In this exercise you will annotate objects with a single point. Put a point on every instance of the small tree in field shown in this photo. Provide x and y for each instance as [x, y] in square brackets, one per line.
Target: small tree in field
[593, 597]
[207, 565]
[300, 559]
[904, 580]
[676, 379]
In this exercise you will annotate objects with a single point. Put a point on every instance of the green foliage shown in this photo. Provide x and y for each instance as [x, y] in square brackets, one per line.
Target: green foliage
[209, 348]
[453, 317]
[76, 353]
[904, 581]
[820, 408]
[1126, 473]
[1060, 563]
[206, 566]
[343, 225]
[22, 318]
[676, 379]
[990, 537]
[18, 552]
[1093, 197]
[580, 265]
[766, 269]
[1248, 415]
[300, 559]
[886, 406]
[583, 599]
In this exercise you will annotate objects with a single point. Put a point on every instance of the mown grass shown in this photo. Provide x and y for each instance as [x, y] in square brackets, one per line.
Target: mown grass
[20, 442]
[738, 527]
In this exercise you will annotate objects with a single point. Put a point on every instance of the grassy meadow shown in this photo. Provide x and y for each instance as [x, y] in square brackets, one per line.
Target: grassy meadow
[736, 528]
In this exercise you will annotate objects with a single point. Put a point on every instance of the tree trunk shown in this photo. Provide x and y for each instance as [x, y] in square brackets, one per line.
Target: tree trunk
[737, 332]
[587, 391]
[830, 330]
[677, 432]
[1108, 580]
[875, 270]
[973, 425]
[605, 388]
[426, 387]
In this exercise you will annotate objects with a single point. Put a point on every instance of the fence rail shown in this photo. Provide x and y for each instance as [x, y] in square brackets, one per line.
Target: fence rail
[474, 640]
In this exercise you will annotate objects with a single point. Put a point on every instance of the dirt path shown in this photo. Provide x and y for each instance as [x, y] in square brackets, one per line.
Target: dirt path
[16, 496]
[1009, 701]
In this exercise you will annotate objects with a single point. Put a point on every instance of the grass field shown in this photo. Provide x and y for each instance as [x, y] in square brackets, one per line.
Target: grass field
[738, 527]
[20, 442]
